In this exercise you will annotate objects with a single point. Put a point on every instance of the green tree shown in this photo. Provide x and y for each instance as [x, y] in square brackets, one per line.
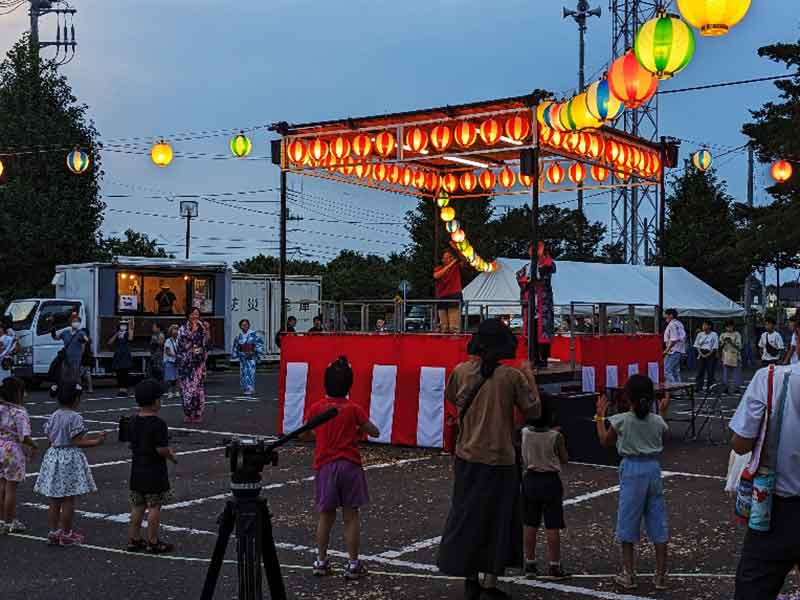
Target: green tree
[355, 276]
[263, 265]
[701, 230]
[134, 244]
[50, 215]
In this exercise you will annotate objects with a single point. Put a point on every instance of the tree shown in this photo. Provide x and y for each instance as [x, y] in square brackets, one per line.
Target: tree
[558, 227]
[134, 244]
[355, 276]
[701, 230]
[50, 215]
[262, 264]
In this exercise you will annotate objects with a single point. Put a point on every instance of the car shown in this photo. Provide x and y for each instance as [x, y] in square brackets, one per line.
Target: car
[516, 323]
[418, 318]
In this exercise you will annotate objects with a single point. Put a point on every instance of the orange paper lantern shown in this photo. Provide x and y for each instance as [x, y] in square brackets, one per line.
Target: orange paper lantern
[346, 165]
[385, 144]
[393, 174]
[465, 134]
[362, 170]
[458, 235]
[518, 127]
[331, 163]
[612, 151]
[630, 82]
[556, 139]
[468, 181]
[596, 146]
[555, 174]
[655, 163]
[449, 183]
[340, 147]
[782, 171]
[441, 137]
[486, 179]
[431, 181]
[584, 142]
[577, 172]
[622, 156]
[545, 135]
[419, 179]
[599, 174]
[297, 151]
[318, 149]
[525, 180]
[379, 172]
[622, 175]
[571, 141]
[490, 131]
[417, 139]
[407, 178]
[507, 178]
[362, 146]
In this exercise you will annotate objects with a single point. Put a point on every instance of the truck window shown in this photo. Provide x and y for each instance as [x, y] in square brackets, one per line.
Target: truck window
[203, 294]
[129, 293]
[165, 295]
[21, 314]
[55, 314]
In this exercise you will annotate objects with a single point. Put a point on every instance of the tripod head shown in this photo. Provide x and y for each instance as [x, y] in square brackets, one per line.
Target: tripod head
[249, 455]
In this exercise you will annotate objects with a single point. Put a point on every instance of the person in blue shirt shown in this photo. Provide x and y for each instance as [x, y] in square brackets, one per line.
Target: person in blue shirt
[74, 338]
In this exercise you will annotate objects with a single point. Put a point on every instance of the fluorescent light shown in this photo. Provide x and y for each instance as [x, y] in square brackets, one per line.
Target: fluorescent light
[466, 161]
[508, 140]
[407, 148]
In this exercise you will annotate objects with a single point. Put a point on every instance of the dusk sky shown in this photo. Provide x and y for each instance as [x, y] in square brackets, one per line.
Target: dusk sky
[153, 68]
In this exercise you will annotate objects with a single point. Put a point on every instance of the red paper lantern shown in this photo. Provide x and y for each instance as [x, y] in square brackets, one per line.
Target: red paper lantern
[385, 143]
[490, 131]
[331, 163]
[486, 179]
[518, 127]
[622, 157]
[584, 142]
[417, 139]
[318, 149]
[612, 151]
[296, 151]
[596, 146]
[465, 134]
[655, 163]
[393, 174]
[407, 178]
[630, 82]
[441, 137]
[599, 174]
[340, 147]
[555, 174]
[622, 175]
[431, 181]
[525, 180]
[557, 138]
[379, 172]
[449, 183]
[468, 181]
[346, 165]
[362, 146]
[362, 170]
[577, 172]
[419, 179]
[545, 135]
[782, 171]
[507, 178]
[571, 141]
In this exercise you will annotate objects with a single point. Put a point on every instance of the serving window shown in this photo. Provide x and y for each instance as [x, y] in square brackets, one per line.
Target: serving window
[159, 295]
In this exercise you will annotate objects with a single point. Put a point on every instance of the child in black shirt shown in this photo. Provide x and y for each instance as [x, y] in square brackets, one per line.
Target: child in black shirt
[149, 480]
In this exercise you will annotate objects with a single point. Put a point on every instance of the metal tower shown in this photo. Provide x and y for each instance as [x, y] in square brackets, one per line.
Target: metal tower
[633, 208]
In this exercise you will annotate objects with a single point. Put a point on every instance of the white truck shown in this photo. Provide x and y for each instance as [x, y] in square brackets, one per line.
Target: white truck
[151, 290]
[257, 299]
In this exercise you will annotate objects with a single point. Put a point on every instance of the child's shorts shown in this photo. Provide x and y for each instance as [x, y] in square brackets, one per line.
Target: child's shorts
[151, 500]
[341, 484]
[543, 496]
[641, 496]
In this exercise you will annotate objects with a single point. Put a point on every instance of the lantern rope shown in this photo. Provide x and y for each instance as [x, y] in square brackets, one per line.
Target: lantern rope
[727, 84]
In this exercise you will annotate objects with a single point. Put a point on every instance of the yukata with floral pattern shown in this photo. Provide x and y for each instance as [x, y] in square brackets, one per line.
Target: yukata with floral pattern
[247, 347]
[15, 426]
[191, 362]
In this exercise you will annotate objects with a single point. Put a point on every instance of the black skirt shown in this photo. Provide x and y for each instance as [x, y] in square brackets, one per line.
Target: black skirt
[483, 533]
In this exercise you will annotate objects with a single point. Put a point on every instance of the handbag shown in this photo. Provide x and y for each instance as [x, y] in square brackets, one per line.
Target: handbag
[54, 371]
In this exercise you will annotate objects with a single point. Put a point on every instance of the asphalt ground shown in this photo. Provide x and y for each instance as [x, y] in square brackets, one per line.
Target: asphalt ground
[410, 491]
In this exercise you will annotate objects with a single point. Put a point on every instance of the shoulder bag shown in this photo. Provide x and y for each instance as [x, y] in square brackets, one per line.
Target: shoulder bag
[54, 371]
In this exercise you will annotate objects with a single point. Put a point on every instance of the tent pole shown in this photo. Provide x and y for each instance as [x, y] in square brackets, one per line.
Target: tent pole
[662, 211]
[533, 338]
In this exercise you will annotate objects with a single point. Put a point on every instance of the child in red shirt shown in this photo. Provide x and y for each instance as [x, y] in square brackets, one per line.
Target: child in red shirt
[340, 480]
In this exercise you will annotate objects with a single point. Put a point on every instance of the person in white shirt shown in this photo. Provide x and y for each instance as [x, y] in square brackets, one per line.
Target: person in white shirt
[792, 357]
[674, 347]
[770, 344]
[731, 346]
[768, 557]
[707, 345]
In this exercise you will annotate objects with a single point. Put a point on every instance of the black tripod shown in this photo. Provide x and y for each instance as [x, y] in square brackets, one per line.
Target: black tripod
[250, 514]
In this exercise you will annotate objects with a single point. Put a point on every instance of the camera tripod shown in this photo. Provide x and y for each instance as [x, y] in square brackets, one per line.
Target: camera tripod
[250, 515]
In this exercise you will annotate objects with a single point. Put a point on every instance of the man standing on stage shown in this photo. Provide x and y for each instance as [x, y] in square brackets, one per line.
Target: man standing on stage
[675, 347]
[448, 290]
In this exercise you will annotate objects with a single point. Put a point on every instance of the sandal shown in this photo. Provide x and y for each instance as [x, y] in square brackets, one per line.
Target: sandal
[159, 547]
[136, 545]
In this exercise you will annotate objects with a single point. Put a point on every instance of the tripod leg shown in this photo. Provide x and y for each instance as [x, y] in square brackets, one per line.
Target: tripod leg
[226, 522]
[269, 555]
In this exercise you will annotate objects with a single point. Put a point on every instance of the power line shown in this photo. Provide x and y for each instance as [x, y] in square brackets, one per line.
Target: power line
[726, 84]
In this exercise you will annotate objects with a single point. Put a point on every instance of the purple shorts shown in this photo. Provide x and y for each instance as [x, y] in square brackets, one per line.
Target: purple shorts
[341, 484]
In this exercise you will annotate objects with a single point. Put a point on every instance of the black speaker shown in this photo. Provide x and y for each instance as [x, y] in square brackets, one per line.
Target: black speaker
[275, 151]
[527, 160]
[671, 152]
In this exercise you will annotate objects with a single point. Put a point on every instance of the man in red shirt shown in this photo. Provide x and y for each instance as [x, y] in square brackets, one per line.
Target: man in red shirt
[340, 480]
[448, 287]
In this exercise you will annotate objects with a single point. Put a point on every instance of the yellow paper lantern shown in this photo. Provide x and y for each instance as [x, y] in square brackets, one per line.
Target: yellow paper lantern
[458, 236]
[161, 154]
[713, 17]
[447, 214]
[2, 168]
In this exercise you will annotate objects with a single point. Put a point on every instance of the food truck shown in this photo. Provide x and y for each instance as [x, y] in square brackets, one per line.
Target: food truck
[105, 295]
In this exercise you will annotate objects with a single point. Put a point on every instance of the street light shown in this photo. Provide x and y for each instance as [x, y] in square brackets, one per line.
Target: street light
[189, 212]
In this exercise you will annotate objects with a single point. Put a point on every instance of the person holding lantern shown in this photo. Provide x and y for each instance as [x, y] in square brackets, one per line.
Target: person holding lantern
[447, 277]
[543, 287]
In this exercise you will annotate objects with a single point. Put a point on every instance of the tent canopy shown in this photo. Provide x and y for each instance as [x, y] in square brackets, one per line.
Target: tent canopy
[597, 283]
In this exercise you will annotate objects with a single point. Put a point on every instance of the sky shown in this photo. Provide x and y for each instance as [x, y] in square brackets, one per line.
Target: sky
[150, 69]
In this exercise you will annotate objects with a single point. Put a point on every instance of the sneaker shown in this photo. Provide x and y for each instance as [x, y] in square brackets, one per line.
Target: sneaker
[71, 539]
[531, 571]
[355, 570]
[54, 538]
[122, 394]
[17, 526]
[556, 573]
[660, 582]
[322, 568]
[626, 580]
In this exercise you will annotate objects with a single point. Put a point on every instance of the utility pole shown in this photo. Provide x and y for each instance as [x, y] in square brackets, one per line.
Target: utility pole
[188, 211]
[65, 34]
[748, 292]
[580, 16]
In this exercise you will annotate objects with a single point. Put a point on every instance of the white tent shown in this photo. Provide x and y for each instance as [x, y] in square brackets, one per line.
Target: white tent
[597, 283]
